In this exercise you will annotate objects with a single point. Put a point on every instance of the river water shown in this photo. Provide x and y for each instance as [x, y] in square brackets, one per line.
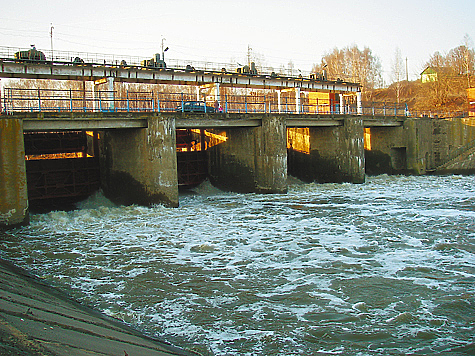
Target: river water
[381, 268]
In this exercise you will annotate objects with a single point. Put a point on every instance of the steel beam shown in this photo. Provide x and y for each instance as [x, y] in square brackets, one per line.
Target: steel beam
[12, 69]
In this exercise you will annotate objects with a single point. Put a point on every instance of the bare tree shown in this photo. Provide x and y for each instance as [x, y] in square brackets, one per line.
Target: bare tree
[397, 72]
[353, 64]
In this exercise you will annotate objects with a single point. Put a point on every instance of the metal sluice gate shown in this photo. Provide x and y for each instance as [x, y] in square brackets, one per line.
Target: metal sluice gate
[60, 165]
[65, 165]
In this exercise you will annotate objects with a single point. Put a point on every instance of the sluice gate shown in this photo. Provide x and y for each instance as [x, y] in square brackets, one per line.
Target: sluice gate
[65, 167]
[60, 166]
[192, 160]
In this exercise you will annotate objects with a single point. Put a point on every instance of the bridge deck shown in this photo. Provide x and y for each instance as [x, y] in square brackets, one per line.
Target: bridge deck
[45, 121]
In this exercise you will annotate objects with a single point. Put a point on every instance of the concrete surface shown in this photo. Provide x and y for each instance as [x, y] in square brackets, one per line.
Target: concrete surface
[37, 319]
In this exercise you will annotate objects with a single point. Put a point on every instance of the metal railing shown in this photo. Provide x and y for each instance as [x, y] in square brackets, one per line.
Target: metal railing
[68, 57]
[74, 100]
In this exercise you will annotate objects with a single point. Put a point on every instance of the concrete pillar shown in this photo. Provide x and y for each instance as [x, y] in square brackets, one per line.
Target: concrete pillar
[342, 104]
[418, 136]
[104, 102]
[95, 98]
[252, 160]
[335, 155]
[138, 166]
[217, 94]
[13, 185]
[359, 106]
[110, 93]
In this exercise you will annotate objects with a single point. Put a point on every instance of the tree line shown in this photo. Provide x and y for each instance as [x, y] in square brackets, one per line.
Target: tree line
[445, 92]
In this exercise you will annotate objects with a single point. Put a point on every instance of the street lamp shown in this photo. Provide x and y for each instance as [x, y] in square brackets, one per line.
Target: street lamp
[163, 50]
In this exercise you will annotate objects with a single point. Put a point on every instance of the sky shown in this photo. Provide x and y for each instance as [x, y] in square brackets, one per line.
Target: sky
[277, 31]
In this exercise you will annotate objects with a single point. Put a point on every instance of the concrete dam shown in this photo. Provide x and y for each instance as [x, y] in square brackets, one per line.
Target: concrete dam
[144, 158]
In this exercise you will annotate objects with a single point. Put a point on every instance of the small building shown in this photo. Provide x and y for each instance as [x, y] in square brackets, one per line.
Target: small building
[431, 74]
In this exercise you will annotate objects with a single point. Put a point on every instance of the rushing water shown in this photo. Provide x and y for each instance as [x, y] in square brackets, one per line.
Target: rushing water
[382, 268]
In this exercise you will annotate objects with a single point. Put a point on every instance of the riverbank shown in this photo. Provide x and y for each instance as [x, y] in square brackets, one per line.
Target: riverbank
[38, 319]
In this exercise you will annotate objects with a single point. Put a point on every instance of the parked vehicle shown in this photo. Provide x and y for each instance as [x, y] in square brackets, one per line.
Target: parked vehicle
[195, 106]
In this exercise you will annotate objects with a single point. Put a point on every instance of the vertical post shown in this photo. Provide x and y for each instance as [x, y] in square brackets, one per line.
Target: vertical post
[297, 100]
[158, 102]
[94, 98]
[127, 99]
[217, 94]
[197, 94]
[342, 104]
[39, 100]
[110, 85]
[279, 101]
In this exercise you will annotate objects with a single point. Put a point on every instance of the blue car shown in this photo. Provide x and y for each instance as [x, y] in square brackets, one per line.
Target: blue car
[195, 106]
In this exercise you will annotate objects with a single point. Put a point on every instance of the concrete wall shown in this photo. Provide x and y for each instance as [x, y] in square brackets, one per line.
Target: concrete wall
[251, 159]
[401, 150]
[138, 166]
[418, 139]
[13, 185]
[422, 145]
[336, 154]
[454, 144]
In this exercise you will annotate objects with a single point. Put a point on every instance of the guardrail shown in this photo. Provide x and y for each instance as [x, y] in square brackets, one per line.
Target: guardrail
[74, 100]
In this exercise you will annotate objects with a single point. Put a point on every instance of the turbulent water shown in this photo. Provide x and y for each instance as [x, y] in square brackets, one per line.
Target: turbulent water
[382, 268]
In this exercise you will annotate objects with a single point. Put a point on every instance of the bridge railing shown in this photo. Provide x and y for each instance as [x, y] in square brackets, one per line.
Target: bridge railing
[74, 100]
[65, 57]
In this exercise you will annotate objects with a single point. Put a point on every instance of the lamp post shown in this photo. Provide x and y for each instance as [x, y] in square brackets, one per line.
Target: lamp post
[163, 50]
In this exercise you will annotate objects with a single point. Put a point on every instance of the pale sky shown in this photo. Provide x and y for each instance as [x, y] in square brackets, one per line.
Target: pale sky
[301, 31]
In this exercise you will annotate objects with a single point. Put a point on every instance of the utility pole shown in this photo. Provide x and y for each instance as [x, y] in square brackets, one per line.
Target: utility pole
[407, 74]
[51, 37]
[163, 49]
[249, 49]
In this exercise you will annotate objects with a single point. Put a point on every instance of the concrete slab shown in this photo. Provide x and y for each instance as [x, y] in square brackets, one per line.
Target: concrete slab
[37, 319]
